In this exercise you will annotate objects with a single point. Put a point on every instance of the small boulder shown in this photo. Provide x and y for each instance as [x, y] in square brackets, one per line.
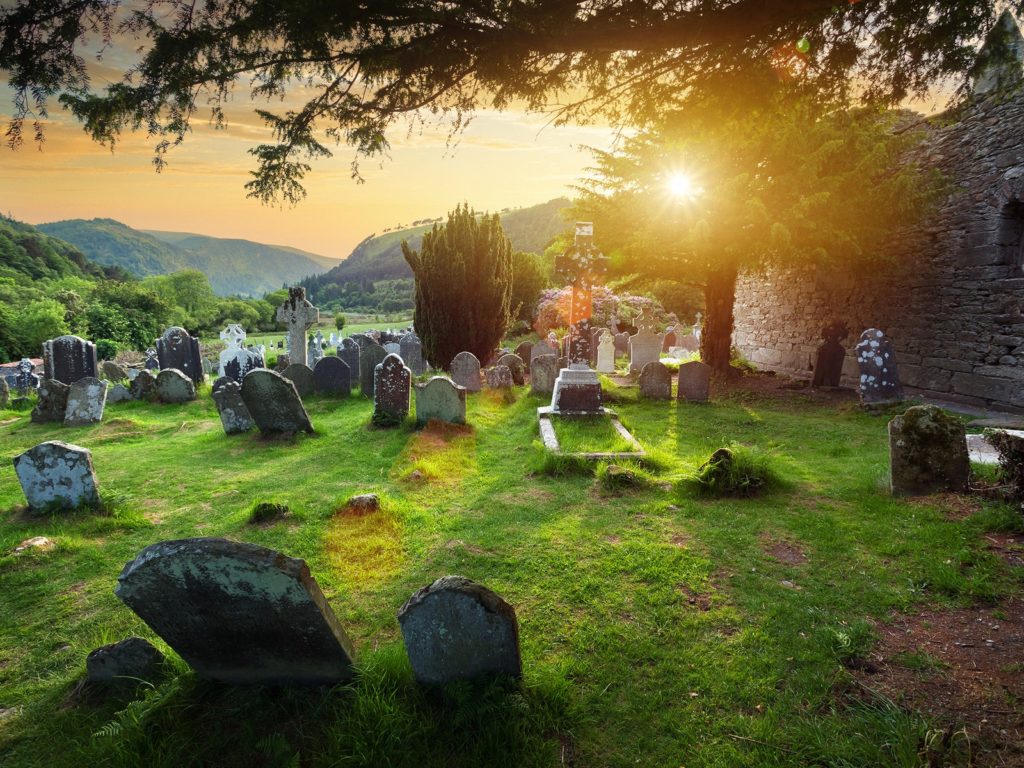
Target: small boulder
[127, 662]
[927, 452]
[174, 387]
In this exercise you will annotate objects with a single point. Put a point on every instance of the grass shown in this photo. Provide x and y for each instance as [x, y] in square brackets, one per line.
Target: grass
[586, 434]
[621, 668]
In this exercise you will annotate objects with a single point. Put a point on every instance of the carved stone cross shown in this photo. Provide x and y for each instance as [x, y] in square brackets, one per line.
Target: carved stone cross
[297, 315]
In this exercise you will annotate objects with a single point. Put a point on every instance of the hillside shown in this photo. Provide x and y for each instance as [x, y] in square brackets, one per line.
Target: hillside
[380, 257]
[27, 254]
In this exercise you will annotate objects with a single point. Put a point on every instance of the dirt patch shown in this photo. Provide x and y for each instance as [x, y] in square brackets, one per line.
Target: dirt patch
[699, 600]
[956, 506]
[680, 540]
[964, 668]
[471, 548]
[1009, 546]
[783, 551]
[613, 539]
[780, 388]
[119, 429]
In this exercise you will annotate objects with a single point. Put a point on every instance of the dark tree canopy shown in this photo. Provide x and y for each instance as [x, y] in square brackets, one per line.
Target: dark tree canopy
[365, 64]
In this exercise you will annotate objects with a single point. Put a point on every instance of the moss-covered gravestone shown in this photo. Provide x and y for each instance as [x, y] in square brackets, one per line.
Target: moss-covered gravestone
[927, 452]
[440, 399]
[543, 372]
[174, 387]
[274, 404]
[516, 367]
[391, 385]
[656, 382]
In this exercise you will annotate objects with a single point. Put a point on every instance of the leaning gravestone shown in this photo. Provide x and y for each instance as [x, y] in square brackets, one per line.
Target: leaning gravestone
[113, 372]
[498, 377]
[927, 452]
[55, 473]
[52, 402]
[370, 357]
[297, 315]
[391, 384]
[542, 348]
[177, 349]
[515, 364]
[411, 350]
[828, 368]
[456, 629]
[86, 398]
[606, 352]
[441, 399]
[525, 352]
[543, 372]
[274, 404]
[234, 415]
[174, 387]
[302, 377]
[143, 386]
[645, 345]
[694, 382]
[238, 613]
[879, 378]
[465, 370]
[332, 377]
[68, 359]
[348, 351]
[655, 382]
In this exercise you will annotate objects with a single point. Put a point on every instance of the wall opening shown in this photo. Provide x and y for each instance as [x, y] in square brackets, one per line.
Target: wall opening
[1010, 237]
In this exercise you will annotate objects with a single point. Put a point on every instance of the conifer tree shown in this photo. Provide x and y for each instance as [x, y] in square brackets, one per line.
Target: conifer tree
[463, 276]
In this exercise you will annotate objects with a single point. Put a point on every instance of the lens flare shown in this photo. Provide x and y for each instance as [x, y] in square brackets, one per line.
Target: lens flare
[680, 185]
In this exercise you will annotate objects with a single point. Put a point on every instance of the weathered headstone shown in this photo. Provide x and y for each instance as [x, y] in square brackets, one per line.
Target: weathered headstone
[668, 339]
[119, 393]
[52, 402]
[302, 377]
[543, 372]
[689, 343]
[411, 350]
[543, 348]
[283, 361]
[5, 394]
[879, 378]
[927, 452]
[174, 387]
[25, 379]
[465, 370]
[656, 382]
[363, 340]
[577, 391]
[391, 384]
[441, 399]
[828, 369]
[645, 345]
[274, 404]
[515, 364]
[126, 662]
[621, 344]
[393, 348]
[68, 359]
[694, 382]
[238, 613]
[332, 377]
[86, 398]
[177, 349]
[234, 415]
[606, 352]
[57, 474]
[348, 351]
[370, 357]
[152, 360]
[143, 386]
[498, 377]
[297, 314]
[236, 360]
[456, 629]
[525, 352]
[113, 372]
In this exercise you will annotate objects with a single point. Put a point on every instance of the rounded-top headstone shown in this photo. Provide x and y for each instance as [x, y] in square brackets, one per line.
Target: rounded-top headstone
[173, 386]
[370, 357]
[391, 385]
[55, 473]
[543, 372]
[499, 377]
[655, 382]
[302, 377]
[465, 370]
[332, 376]
[179, 349]
[515, 364]
[441, 399]
[525, 352]
[694, 382]
[68, 359]
[456, 629]
[274, 404]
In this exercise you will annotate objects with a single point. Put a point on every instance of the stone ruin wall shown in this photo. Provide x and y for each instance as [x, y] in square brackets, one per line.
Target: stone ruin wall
[951, 302]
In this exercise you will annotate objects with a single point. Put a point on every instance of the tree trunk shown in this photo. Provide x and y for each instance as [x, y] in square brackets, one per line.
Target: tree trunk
[716, 334]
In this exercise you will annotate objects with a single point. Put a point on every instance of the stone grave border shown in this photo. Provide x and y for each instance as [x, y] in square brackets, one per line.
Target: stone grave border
[550, 437]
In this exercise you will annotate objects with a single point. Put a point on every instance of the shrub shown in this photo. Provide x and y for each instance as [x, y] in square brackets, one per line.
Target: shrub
[339, 321]
[737, 471]
[266, 511]
[1011, 460]
[107, 349]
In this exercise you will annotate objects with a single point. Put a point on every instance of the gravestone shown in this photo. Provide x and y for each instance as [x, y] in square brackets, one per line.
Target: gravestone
[174, 387]
[238, 613]
[119, 393]
[113, 372]
[689, 343]
[68, 359]
[57, 474]
[86, 398]
[621, 344]
[515, 364]
[302, 377]
[668, 340]
[927, 452]
[52, 402]
[236, 361]
[645, 345]
[498, 377]
[411, 350]
[441, 399]
[363, 340]
[348, 351]
[525, 352]
[234, 415]
[694, 382]
[297, 314]
[25, 379]
[126, 662]
[828, 369]
[578, 347]
[543, 348]
[594, 340]
[393, 348]
[879, 377]
[274, 404]
[152, 361]
[333, 340]
[282, 363]
[456, 629]
[577, 390]
[543, 372]
[391, 384]
[176, 349]
[606, 352]
[655, 382]
[332, 377]
[465, 370]
[370, 357]
[143, 386]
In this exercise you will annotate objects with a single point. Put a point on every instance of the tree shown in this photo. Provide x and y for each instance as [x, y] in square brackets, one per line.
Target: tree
[357, 68]
[339, 320]
[463, 274]
[529, 278]
[772, 179]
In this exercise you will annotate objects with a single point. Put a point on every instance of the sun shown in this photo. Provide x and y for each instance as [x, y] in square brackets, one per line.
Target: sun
[681, 185]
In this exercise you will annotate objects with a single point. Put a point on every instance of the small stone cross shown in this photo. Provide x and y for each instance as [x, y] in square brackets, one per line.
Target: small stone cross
[297, 314]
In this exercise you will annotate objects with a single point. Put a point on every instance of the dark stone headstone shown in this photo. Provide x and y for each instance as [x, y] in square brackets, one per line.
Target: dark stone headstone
[52, 403]
[363, 340]
[176, 349]
[411, 350]
[879, 378]
[655, 382]
[143, 386]
[370, 357]
[927, 452]
[515, 364]
[348, 352]
[694, 382]
[238, 613]
[25, 379]
[128, 662]
[828, 369]
[456, 629]
[152, 360]
[669, 340]
[525, 352]
[68, 359]
[621, 344]
[58, 474]
[274, 404]
[391, 385]
[302, 377]
[173, 387]
[331, 376]
[465, 370]
[234, 414]
[543, 372]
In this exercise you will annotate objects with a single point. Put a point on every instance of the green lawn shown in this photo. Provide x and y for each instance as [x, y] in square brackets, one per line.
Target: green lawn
[656, 630]
[359, 325]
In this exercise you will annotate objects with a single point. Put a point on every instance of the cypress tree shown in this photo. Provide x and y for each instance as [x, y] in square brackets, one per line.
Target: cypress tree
[463, 274]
